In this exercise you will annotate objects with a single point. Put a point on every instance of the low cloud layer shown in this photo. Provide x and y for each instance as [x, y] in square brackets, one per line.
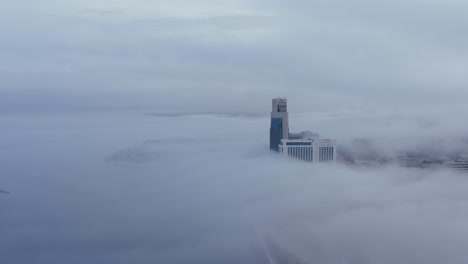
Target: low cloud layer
[84, 191]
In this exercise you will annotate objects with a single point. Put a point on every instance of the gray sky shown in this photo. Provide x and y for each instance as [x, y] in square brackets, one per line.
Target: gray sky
[233, 56]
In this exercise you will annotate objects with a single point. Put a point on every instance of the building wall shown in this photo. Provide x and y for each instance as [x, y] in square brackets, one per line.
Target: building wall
[313, 150]
[326, 154]
[327, 150]
[276, 133]
[305, 153]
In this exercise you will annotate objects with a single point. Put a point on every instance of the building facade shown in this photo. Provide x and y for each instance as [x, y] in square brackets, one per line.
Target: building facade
[299, 149]
[310, 149]
[279, 128]
[327, 150]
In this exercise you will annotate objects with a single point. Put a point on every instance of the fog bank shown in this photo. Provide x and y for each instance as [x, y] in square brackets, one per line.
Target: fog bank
[137, 188]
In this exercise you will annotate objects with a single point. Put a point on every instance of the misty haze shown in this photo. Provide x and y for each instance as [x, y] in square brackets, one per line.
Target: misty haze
[144, 132]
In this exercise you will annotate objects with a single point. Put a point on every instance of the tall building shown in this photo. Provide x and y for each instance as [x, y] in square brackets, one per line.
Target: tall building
[279, 128]
[305, 146]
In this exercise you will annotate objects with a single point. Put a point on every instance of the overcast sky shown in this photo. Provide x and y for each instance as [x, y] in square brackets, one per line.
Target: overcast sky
[233, 55]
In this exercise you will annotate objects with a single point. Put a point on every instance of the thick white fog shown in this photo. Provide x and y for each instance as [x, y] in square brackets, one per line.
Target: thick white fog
[136, 188]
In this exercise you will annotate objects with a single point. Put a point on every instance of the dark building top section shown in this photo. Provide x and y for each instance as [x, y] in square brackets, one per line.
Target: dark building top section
[276, 133]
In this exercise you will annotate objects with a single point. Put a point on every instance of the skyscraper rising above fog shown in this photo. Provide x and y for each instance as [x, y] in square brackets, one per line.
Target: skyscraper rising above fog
[279, 128]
